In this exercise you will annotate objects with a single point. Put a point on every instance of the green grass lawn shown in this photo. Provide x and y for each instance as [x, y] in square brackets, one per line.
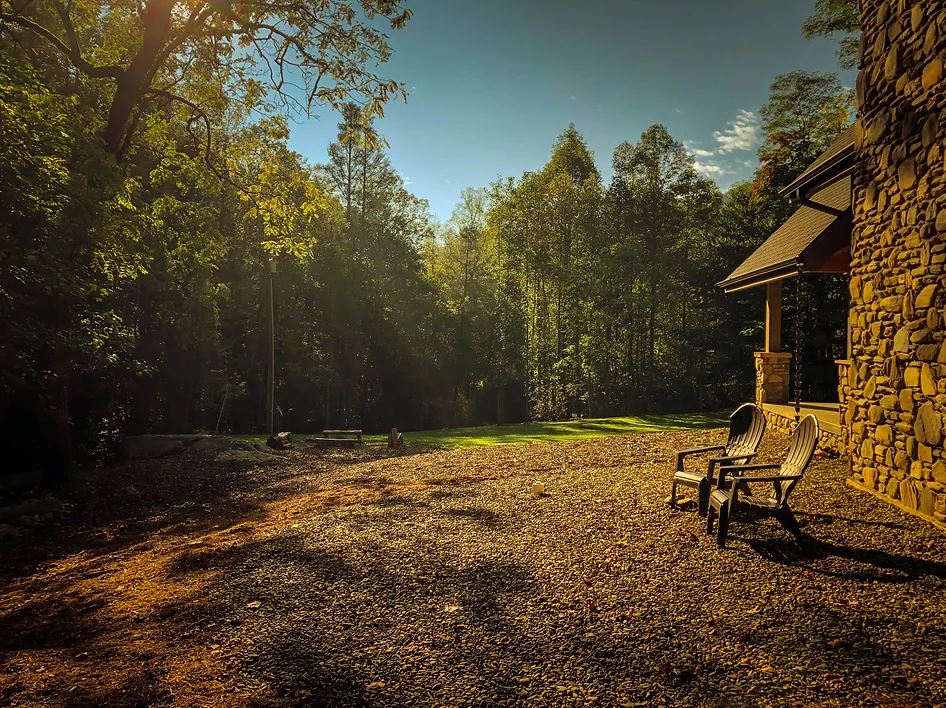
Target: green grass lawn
[561, 431]
[555, 431]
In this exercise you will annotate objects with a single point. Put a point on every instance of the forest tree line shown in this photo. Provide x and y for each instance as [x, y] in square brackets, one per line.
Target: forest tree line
[144, 207]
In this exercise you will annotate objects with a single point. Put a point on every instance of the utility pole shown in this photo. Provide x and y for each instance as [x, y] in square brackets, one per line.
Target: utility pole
[271, 377]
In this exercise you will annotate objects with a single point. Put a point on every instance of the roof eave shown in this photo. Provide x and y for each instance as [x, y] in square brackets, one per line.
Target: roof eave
[838, 167]
[778, 271]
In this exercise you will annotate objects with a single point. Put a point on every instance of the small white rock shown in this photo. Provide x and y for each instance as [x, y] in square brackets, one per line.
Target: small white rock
[538, 488]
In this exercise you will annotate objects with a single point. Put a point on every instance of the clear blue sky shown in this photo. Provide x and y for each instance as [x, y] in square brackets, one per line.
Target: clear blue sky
[493, 82]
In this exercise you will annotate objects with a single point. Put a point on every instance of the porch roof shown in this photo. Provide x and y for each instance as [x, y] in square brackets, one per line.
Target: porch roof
[815, 238]
[834, 163]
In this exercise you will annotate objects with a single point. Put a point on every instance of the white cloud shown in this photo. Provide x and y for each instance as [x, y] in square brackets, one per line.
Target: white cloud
[742, 133]
[711, 169]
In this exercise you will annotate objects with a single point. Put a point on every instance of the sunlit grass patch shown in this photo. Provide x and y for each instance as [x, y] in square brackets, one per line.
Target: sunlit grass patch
[561, 431]
[544, 432]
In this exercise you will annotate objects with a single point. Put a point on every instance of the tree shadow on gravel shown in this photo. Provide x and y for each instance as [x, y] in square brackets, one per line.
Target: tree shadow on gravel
[867, 564]
[444, 494]
[366, 480]
[119, 506]
[485, 516]
[823, 638]
[280, 551]
[138, 689]
[324, 618]
[50, 623]
[398, 500]
[806, 518]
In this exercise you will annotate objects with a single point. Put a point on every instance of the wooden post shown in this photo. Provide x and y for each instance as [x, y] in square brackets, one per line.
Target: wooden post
[773, 316]
[271, 373]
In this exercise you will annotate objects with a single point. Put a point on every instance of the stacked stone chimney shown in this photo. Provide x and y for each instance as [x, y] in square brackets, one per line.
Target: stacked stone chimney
[896, 394]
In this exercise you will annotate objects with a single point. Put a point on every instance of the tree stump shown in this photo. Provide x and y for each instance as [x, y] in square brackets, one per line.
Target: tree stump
[279, 441]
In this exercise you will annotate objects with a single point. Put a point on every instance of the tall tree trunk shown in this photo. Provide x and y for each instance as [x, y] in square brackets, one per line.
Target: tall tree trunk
[651, 335]
[349, 187]
[462, 371]
[364, 184]
[137, 78]
[59, 462]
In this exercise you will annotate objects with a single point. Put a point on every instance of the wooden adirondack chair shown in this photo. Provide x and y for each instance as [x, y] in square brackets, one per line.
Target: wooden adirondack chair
[746, 426]
[732, 491]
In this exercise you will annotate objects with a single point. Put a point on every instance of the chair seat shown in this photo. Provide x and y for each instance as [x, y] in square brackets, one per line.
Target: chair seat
[720, 497]
[740, 497]
[746, 425]
[688, 478]
[760, 502]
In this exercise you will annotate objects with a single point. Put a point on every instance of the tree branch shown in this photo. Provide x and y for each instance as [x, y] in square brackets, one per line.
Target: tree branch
[195, 109]
[70, 29]
[200, 114]
[72, 54]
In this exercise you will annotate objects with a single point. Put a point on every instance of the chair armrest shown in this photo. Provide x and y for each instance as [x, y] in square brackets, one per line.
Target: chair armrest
[730, 469]
[729, 458]
[714, 461]
[766, 478]
[696, 451]
[738, 471]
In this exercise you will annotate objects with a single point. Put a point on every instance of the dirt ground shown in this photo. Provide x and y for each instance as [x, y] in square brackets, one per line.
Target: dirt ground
[438, 578]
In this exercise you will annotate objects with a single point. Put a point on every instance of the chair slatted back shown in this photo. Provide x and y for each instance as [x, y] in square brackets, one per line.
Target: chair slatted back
[800, 451]
[746, 427]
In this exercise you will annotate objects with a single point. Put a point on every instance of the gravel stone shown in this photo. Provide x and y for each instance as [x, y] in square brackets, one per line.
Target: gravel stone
[368, 577]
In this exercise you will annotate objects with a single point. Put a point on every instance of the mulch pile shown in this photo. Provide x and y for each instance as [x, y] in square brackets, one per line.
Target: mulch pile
[438, 577]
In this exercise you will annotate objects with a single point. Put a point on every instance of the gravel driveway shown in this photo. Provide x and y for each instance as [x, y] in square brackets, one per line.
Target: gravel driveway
[438, 578]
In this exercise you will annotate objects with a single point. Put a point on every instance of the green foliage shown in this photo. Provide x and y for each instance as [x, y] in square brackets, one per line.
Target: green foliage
[805, 112]
[598, 301]
[132, 289]
[144, 208]
[837, 17]
[572, 299]
[210, 57]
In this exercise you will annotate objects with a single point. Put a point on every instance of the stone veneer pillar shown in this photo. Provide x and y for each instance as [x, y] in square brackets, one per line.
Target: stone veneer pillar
[844, 393]
[897, 377]
[771, 377]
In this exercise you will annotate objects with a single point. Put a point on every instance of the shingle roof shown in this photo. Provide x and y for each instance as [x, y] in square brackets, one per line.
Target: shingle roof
[837, 152]
[781, 254]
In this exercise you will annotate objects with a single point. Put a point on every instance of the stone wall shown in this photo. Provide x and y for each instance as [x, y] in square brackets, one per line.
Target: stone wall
[771, 377]
[897, 380]
[828, 442]
[844, 393]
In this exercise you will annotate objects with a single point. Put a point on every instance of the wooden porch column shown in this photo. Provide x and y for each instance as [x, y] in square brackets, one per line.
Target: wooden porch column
[772, 364]
[773, 316]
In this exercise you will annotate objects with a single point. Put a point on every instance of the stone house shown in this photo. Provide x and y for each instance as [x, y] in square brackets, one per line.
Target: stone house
[874, 206]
